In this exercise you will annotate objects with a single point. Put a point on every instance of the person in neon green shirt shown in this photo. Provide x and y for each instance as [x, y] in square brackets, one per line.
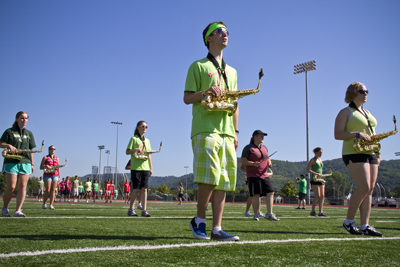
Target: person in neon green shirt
[40, 189]
[95, 190]
[81, 191]
[212, 131]
[88, 189]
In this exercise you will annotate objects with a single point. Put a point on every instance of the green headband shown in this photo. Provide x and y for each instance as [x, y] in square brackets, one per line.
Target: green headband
[212, 28]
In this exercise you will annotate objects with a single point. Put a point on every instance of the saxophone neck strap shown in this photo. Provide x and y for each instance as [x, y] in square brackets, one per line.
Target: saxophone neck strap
[364, 113]
[221, 69]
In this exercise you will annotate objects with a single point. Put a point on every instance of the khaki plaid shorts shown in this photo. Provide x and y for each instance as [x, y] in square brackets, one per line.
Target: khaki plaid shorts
[214, 160]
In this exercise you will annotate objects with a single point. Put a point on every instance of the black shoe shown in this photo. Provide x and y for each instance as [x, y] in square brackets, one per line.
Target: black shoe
[370, 231]
[321, 214]
[352, 228]
[298, 208]
[303, 208]
[312, 213]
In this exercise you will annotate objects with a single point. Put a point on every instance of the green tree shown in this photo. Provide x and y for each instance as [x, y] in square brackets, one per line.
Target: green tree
[337, 184]
[396, 191]
[163, 189]
[288, 189]
[32, 186]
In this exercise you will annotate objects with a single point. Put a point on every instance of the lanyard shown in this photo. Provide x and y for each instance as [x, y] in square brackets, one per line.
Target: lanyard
[353, 105]
[221, 70]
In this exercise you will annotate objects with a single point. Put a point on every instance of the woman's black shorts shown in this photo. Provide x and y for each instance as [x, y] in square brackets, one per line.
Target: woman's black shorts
[355, 158]
[261, 186]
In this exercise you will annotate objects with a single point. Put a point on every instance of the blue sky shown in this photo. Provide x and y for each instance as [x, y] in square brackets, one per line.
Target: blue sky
[76, 66]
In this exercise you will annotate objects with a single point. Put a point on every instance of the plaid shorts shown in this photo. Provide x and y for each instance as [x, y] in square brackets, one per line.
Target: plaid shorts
[214, 160]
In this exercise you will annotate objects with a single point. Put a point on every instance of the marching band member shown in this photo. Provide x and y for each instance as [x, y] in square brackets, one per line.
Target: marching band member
[356, 122]
[314, 167]
[17, 171]
[50, 178]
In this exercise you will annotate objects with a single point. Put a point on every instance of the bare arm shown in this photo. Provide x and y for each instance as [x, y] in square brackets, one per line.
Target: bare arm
[194, 97]
[8, 146]
[150, 165]
[340, 126]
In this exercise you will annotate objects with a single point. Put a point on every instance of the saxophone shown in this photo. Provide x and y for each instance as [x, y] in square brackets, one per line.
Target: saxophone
[228, 100]
[53, 169]
[361, 145]
[8, 155]
[316, 179]
[145, 153]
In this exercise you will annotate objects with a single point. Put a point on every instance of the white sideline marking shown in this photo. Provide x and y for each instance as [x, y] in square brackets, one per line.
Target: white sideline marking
[203, 244]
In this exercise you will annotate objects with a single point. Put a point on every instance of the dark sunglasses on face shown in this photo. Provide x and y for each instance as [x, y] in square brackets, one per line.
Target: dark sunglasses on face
[363, 91]
[144, 126]
[221, 31]
[52, 149]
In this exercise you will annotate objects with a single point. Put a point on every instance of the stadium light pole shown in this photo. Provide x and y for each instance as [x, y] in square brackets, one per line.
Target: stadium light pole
[100, 148]
[108, 155]
[116, 154]
[300, 68]
[186, 167]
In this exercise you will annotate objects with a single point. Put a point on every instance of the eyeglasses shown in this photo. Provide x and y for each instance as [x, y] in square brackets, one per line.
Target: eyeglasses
[363, 91]
[221, 31]
[144, 126]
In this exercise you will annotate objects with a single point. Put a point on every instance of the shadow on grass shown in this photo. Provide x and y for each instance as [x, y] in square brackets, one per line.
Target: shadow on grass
[87, 237]
[283, 232]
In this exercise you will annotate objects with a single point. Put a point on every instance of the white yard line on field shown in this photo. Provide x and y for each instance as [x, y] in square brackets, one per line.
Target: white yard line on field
[202, 244]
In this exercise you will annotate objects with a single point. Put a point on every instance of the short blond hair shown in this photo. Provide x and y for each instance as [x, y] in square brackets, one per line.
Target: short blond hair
[352, 91]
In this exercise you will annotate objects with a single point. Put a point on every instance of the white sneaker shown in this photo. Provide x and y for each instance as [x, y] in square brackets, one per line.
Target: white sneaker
[261, 214]
[271, 217]
[19, 213]
[255, 217]
[52, 207]
[139, 206]
[87, 201]
[44, 206]
[75, 200]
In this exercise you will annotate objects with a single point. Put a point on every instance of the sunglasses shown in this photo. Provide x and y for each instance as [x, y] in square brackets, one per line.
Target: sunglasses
[221, 31]
[52, 149]
[363, 91]
[144, 126]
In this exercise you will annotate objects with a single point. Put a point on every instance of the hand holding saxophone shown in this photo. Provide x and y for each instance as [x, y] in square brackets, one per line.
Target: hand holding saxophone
[216, 90]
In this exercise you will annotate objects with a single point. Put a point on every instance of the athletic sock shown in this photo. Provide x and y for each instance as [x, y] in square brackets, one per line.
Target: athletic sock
[364, 226]
[216, 230]
[198, 220]
[347, 221]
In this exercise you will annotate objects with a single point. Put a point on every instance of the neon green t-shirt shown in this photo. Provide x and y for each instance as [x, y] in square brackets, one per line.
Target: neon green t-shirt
[41, 184]
[139, 164]
[201, 76]
[96, 187]
[357, 123]
[88, 186]
[116, 191]
[303, 186]
[81, 188]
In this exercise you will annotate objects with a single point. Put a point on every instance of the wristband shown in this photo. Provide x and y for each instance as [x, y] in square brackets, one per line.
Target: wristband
[237, 131]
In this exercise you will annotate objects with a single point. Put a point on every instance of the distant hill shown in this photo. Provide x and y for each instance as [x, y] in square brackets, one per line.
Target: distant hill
[389, 174]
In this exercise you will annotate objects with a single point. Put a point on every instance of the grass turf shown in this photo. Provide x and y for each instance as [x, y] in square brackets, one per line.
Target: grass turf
[297, 239]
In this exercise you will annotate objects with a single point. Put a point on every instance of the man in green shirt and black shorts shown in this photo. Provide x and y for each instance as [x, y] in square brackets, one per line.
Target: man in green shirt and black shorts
[302, 190]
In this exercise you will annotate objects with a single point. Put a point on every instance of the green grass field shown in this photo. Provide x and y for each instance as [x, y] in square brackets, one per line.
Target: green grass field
[103, 235]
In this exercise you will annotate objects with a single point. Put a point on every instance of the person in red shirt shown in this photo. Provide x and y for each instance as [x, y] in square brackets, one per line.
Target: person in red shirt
[61, 188]
[67, 188]
[112, 187]
[107, 190]
[127, 189]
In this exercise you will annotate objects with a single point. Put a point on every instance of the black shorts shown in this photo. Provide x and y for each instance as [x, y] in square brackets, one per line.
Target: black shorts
[95, 193]
[180, 195]
[140, 179]
[261, 186]
[316, 183]
[81, 194]
[66, 192]
[355, 158]
[302, 196]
